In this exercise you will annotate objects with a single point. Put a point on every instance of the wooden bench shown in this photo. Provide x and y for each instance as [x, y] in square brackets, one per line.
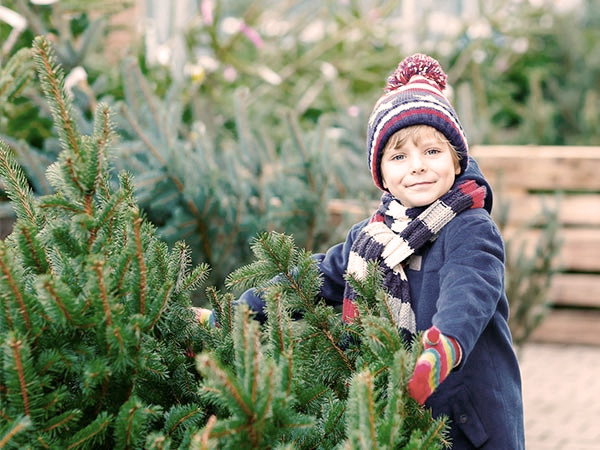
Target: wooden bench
[529, 178]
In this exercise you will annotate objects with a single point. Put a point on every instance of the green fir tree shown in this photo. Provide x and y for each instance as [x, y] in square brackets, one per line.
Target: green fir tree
[307, 379]
[95, 323]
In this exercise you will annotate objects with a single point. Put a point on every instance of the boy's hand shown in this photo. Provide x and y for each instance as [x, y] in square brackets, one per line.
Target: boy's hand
[204, 316]
[440, 356]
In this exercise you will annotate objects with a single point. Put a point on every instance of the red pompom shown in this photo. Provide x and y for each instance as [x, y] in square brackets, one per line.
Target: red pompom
[417, 64]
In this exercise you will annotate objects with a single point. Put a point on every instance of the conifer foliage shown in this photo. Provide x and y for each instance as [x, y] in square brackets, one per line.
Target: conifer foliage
[311, 381]
[95, 325]
[100, 348]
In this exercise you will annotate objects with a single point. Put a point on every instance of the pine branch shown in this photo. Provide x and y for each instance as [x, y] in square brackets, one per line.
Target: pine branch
[434, 434]
[223, 308]
[160, 259]
[52, 80]
[361, 396]
[181, 417]
[16, 75]
[195, 278]
[204, 436]
[135, 79]
[164, 296]
[132, 422]
[73, 177]
[392, 426]
[382, 338]
[148, 143]
[211, 368]
[103, 136]
[14, 288]
[17, 347]
[17, 187]
[58, 201]
[92, 435]
[122, 269]
[65, 420]
[98, 269]
[56, 299]
[274, 260]
[141, 264]
[279, 263]
[106, 215]
[296, 135]
[279, 329]
[251, 391]
[18, 426]
[34, 254]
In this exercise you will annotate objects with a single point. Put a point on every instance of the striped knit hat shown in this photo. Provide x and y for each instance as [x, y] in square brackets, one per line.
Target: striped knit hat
[413, 96]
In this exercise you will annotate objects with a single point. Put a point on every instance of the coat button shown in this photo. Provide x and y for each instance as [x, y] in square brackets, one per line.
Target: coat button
[463, 418]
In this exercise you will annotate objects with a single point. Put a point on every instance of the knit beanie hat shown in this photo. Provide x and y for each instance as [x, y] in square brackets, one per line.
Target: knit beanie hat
[413, 96]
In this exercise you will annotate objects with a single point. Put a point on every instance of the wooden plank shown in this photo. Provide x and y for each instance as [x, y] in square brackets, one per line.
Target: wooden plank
[351, 211]
[573, 210]
[523, 208]
[556, 152]
[339, 207]
[569, 326]
[579, 250]
[540, 168]
[575, 289]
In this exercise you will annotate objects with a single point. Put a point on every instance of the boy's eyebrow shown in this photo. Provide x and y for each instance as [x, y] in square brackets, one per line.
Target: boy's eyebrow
[396, 147]
[432, 141]
[425, 142]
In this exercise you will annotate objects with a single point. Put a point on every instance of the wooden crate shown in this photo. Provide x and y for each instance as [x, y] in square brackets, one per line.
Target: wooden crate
[568, 178]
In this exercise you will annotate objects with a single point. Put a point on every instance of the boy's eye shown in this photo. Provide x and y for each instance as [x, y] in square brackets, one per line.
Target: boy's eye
[432, 151]
[398, 157]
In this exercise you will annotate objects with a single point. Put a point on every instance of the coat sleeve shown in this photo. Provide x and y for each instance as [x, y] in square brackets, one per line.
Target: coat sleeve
[332, 266]
[471, 279]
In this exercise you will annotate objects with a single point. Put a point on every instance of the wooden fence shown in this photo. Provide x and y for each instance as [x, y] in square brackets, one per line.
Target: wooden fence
[566, 178]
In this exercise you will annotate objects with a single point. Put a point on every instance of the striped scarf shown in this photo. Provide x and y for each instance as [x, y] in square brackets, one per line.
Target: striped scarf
[392, 235]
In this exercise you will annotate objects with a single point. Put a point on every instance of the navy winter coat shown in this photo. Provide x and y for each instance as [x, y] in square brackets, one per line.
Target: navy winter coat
[458, 284]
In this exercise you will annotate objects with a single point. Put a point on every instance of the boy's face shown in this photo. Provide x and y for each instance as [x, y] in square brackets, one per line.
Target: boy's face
[419, 170]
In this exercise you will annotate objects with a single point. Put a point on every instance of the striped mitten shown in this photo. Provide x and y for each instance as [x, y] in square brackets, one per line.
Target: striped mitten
[440, 356]
[205, 316]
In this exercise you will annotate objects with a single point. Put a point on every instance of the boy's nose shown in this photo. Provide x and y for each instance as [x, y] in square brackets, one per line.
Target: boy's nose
[417, 165]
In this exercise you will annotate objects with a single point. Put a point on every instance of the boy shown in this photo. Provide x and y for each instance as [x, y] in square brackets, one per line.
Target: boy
[442, 260]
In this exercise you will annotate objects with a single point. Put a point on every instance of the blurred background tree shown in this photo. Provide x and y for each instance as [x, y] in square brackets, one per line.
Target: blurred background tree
[78, 30]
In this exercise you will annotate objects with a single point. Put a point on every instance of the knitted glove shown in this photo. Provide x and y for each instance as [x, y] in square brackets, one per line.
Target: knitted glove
[440, 356]
[204, 316]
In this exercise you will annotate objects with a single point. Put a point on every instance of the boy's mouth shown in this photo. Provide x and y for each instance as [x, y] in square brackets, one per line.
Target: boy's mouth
[420, 183]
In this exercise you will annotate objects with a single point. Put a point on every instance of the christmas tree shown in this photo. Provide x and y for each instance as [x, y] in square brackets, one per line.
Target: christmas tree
[310, 380]
[102, 349]
[95, 323]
